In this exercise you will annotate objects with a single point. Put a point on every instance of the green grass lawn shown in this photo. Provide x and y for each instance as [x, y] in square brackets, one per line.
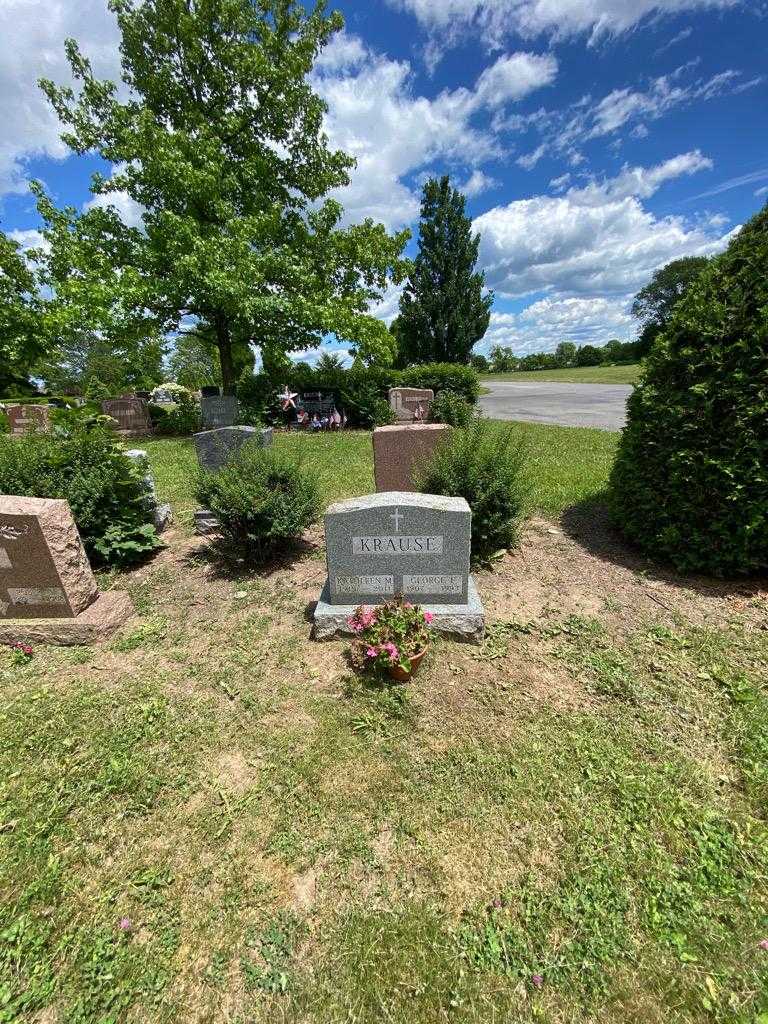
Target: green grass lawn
[565, 465]
[575, 375]
[211, 818]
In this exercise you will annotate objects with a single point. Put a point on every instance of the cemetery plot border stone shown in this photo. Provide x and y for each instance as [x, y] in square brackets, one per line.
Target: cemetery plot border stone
[131, 415]
[26, 419]
[397, 542]
[218, 411]
[399, 450]
[411, 405]
[48, 593]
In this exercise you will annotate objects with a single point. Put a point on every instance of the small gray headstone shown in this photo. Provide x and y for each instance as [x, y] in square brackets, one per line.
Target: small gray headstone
[218, 411]
[216, 447]
[411, 405]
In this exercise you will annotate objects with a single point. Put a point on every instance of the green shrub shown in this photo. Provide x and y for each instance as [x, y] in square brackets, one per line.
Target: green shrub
[482, 463]
[179, 420]
[690, 482]
[264, 499]
[5, 423]
[463, 380]
[448, 407]
[103, 488]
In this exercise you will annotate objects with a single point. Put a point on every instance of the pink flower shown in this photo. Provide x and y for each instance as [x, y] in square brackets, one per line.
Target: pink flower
[537, 980]
[125, 924]
[763, 944]
[392, 651]
[372, 652]
[428, 616]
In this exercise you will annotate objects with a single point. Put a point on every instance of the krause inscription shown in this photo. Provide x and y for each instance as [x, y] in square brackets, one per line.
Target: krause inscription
[397, 542]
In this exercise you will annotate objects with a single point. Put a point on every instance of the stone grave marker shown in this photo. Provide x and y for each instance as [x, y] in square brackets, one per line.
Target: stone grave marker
[400, 449]
[131, 414]
[28, 419]
[162, 514]
[214, 450]
[218, 411]
[48, 593]
[411, 405]
[395, 542]
[216, 447]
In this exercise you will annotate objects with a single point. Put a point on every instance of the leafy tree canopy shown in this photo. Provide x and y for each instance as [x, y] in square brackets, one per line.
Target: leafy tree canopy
[20, 316]
[653, 305]
[443, 311]
[220, 145]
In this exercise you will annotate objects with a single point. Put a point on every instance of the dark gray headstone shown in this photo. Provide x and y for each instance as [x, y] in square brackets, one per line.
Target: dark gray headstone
[218, 411]
[216, 447]
[394, 542]
[131, 416]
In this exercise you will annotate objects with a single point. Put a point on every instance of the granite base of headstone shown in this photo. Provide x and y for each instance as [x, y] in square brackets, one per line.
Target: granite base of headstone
[29, 419]
[397, 542]
[411, 405]
[218, 411]
[216, 447]
[399, 451]
[206, 523]
[48, 593]
[131, 416]
[162, 514]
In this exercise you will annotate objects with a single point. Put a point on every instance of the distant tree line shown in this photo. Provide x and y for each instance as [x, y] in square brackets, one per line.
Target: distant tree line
[502, 359]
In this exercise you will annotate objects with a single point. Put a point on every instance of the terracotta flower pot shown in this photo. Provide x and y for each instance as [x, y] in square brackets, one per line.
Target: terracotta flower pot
[400, 675]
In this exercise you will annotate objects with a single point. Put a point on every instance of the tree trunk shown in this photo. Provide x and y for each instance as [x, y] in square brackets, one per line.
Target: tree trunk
[224, 342]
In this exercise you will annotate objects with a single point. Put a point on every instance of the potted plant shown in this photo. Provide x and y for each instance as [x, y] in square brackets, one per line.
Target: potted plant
[393, 637]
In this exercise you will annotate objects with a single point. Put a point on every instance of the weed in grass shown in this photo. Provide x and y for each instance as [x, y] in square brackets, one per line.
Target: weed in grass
[266, 966]
[147, 634]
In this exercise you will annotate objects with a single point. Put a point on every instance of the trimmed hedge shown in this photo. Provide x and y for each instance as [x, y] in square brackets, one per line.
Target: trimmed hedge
[690, 482]
[359, 391]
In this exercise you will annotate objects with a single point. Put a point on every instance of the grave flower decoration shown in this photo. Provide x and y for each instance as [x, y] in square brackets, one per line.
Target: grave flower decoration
[389, 637]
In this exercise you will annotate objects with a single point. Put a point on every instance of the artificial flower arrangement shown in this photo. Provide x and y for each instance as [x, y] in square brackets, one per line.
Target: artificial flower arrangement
[394, 637]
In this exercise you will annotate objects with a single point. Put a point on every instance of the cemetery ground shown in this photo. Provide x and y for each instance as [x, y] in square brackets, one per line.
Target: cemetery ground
[212, 818]
[628, 374]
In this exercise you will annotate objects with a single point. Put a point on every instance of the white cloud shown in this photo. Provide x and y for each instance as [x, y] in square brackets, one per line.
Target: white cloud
[561, 183]
[679, 37]
[32, 34]
[760, 192]
[129, 211]
[28, 239]
[343, 52]
[513, 77]
[598, 240]
[477, 183]
[496, 19]
[374, 116]
[726, 186]
[545, 323]
[565, 131]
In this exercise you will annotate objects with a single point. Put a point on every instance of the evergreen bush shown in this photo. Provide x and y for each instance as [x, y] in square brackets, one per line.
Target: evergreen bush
[450, 408]
[263, 498]
[690, 482]
[482, 463]
[89, 470]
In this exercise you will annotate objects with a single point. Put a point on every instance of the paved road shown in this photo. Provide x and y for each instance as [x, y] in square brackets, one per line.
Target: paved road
[570, 405]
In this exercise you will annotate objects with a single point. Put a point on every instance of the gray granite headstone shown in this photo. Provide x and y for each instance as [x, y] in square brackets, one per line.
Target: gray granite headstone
[218, 411]
[398, 542]
[216, 447]
[411, 405]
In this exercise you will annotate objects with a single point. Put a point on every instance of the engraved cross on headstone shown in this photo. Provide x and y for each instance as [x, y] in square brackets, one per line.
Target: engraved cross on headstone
[397, 515]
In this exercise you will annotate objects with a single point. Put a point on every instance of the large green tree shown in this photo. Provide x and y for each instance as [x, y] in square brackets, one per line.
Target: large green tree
[21, 340]
[220, 146]
[443, 311]
[653, 305]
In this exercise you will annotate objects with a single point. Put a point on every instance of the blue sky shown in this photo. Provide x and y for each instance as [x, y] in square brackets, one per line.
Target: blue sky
[596, 139]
